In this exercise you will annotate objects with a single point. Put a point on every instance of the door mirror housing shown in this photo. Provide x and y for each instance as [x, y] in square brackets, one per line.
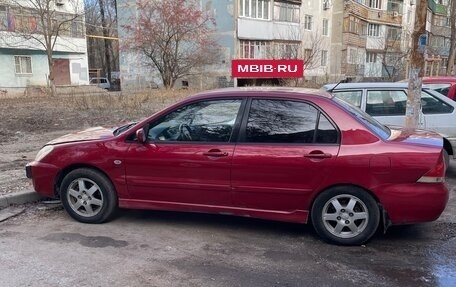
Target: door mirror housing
[141, 136]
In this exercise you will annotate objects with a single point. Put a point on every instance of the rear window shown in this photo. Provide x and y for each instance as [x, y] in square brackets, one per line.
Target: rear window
[382, 131]
[441, 88]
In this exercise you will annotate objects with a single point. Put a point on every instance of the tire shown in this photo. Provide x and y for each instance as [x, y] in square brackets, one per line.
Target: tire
[345, 215]
[88, 196]
[446, 158]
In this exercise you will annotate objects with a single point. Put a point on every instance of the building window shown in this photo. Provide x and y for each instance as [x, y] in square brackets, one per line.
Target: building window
[287, 50]
[377, 4]
[286, 12]
[395, 6]
[373, 30]
[352, 55]
[394, 33]
[324, 57]
[308, 22]
[258, 9]
[254, 49]
[325, 27]
[371, 57]
[23, 64]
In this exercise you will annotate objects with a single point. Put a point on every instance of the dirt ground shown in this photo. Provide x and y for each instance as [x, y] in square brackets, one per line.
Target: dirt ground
[27, 123]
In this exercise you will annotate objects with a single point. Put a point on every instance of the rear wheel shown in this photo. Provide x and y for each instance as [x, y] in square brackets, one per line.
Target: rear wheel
[345, 215]
[88, 196]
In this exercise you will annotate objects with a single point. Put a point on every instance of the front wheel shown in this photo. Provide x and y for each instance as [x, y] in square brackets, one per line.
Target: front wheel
[88, 196]
[345, 215]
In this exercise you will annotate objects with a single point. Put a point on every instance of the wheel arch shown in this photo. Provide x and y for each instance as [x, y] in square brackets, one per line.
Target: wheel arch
[384, 219]
[61, 175]
[447, 146]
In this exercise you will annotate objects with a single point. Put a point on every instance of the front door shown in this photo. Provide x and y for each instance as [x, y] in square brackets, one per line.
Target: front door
[187, 158]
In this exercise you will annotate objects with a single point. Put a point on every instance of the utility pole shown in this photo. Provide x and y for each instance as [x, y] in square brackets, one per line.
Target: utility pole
[416, 72]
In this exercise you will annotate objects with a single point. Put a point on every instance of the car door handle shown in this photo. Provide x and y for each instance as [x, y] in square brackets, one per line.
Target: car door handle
[215, 153]
[318, 154]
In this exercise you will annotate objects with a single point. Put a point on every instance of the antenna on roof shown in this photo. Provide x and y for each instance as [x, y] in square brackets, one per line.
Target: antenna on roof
[341, 81]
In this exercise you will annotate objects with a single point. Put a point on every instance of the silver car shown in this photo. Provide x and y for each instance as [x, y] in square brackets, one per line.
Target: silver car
[387, 101]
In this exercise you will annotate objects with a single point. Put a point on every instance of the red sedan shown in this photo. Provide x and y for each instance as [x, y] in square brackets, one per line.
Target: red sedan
[279, 154]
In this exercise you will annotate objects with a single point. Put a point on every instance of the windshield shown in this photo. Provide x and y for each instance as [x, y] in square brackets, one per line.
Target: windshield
[441, 88]
[379, 129]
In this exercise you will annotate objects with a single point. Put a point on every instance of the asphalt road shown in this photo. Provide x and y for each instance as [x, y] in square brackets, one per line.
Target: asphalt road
[147, 248]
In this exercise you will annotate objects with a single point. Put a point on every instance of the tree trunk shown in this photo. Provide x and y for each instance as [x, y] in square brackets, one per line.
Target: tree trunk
[51, 82]
[107, 42]
[452, 54]
[413, 110]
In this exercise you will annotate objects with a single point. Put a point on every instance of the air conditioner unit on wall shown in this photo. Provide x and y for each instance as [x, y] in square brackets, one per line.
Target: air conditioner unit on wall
[395, 14]
[59, 2]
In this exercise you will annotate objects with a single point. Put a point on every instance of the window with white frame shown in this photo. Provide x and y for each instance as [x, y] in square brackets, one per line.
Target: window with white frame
[394, 33]
[286, 12]
[23, 64]
[254, 49]
[371, 57]
[325, 27]
[258, 9]
[286, 50]
[352, 55]
[308, 22]
[373, 30]
[324, 57]
[377, 4]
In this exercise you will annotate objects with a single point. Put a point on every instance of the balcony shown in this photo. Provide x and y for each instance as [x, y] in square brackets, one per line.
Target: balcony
[437, 8]
[373, 15]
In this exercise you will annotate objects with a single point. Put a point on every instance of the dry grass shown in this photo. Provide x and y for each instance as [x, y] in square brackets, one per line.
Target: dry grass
[78, 111]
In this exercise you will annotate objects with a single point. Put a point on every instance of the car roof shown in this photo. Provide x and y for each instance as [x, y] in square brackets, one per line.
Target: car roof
[440, 79]
[366, 85]
[262, 91]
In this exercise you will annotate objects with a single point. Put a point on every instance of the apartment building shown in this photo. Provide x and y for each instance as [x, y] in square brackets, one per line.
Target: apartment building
[247, 29]
[355, 39]
[23, 58]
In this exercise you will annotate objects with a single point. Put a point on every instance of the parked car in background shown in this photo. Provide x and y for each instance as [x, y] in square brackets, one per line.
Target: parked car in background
[280, 154]
[101, 82]
[386, 102]
[445, 85]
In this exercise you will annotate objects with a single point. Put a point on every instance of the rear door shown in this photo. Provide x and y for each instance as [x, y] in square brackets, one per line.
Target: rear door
[286, 150]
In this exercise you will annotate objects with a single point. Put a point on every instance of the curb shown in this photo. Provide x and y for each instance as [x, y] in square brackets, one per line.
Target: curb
[21, 197]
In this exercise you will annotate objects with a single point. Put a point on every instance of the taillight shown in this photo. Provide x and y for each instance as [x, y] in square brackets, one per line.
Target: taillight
[436, 174]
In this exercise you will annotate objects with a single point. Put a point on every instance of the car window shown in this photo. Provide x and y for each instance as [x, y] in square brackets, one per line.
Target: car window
[352, 97]
[284, 121]
[103, 81]
[433, 105]
[386, 102]
[441, 88]
[379, 129]
[205, 121]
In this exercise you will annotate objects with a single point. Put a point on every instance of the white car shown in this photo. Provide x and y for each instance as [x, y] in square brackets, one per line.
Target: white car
[386, 102]
[101, 83]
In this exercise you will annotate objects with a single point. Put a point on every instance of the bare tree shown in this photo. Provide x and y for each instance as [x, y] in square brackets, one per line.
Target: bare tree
[176, 35]
[306, 46]
[392, 57]
[452, 54]
[45, 27]
[102, 46]
[416, 67]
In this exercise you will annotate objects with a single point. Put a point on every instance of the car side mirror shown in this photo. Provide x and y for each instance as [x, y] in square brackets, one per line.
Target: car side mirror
[141, 136]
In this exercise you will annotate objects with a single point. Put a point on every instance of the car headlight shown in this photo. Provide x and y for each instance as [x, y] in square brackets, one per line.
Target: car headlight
[43, 152]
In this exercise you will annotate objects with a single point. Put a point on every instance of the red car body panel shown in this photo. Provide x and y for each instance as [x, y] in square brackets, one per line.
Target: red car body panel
[270, 181]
